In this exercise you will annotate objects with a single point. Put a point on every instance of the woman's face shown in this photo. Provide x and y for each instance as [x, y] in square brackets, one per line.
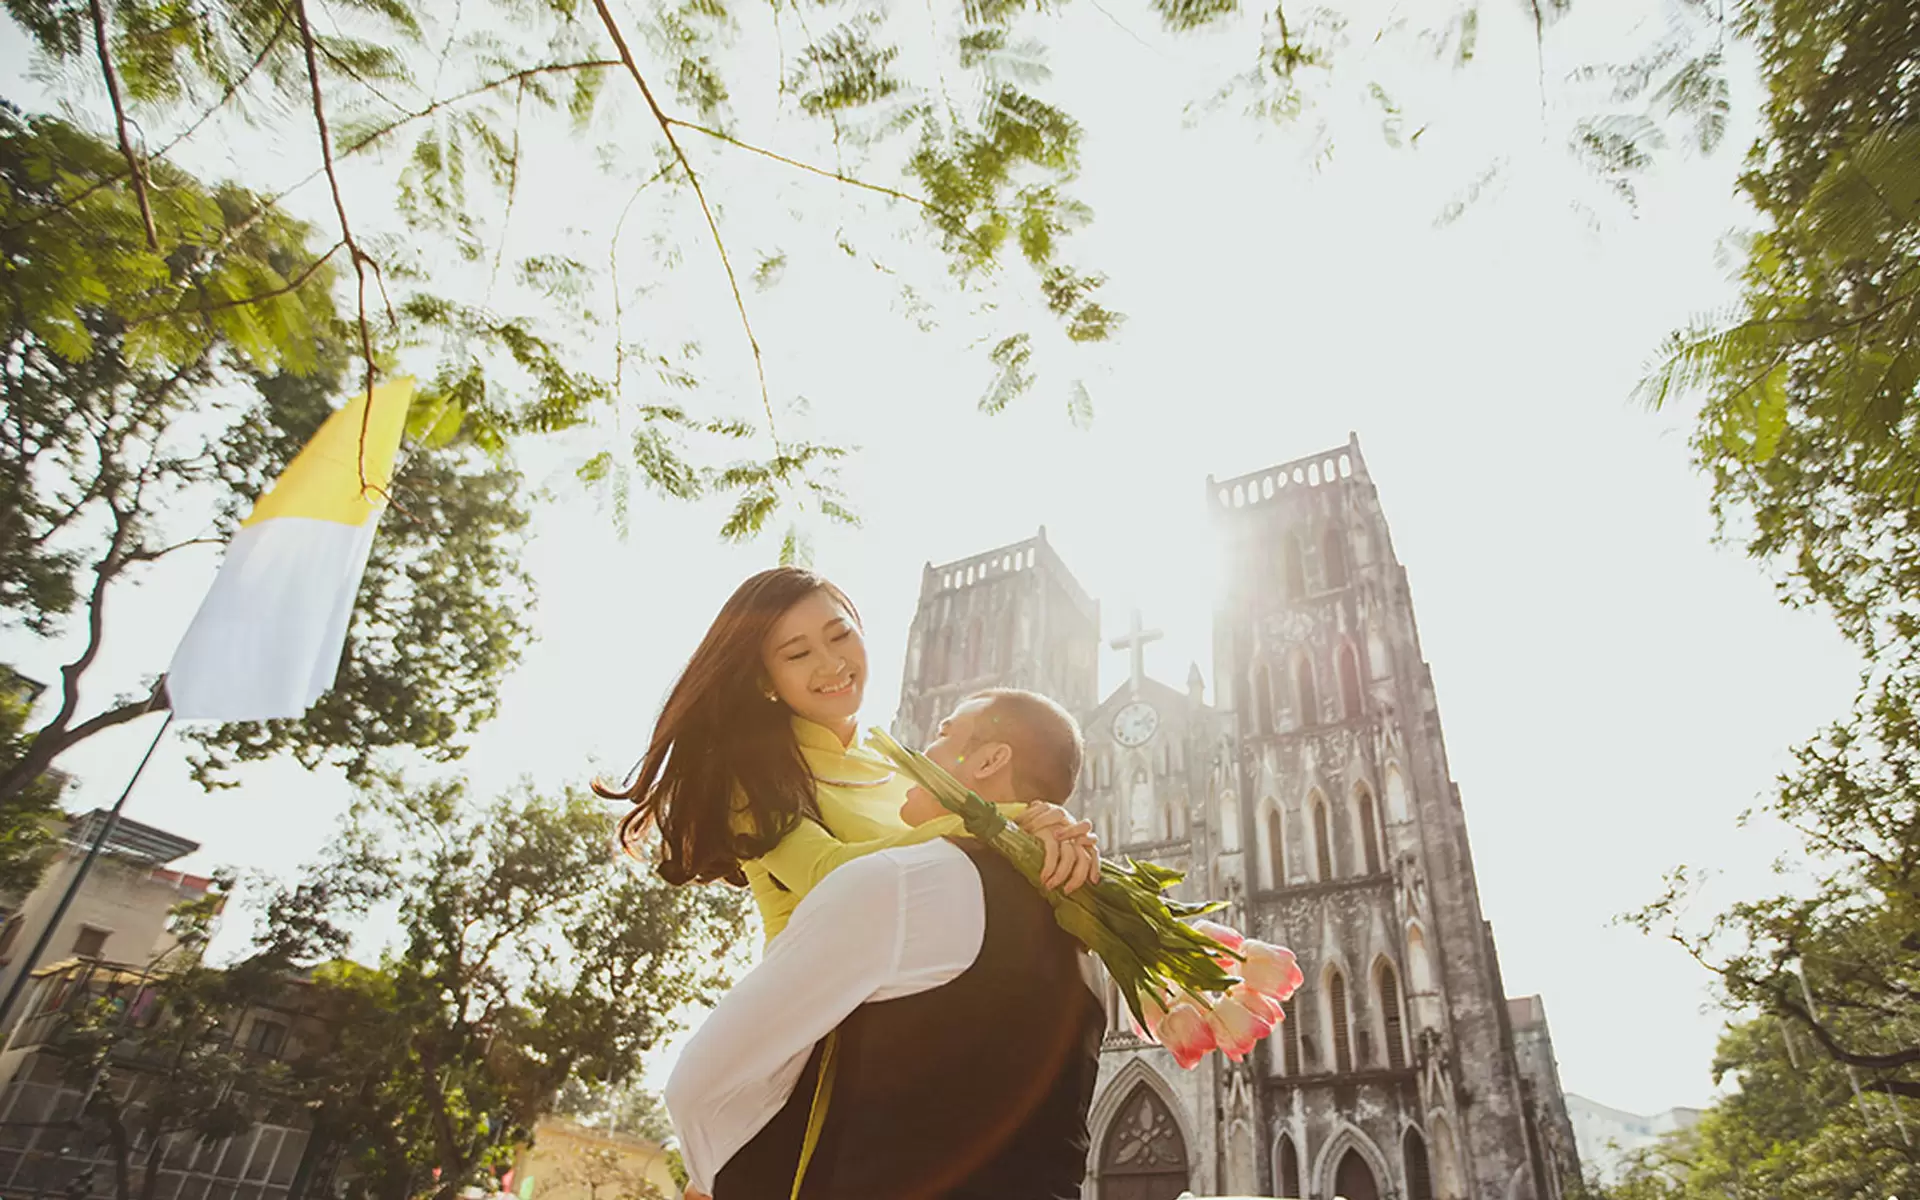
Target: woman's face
[816, 662]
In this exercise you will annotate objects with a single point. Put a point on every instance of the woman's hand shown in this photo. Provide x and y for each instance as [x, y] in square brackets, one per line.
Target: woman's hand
[1072, 850]
[921, 807]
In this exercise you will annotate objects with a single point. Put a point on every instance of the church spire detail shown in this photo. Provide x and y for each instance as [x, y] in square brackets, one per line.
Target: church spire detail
[1135, 640]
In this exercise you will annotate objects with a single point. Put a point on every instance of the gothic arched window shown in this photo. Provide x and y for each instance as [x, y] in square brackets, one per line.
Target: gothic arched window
[1369, 829]
[1289, 1168]
[1263, 699]
[976, 649]
[1418, 962]
[1333, 558]
[1293, 569]
[1388, 984]
[1276, 849]
[1399, 806]
[939, 665]
[1413, 1152]
[1351, 697]
[1290, 1059]
[1322, 842]
[1342, 1031]
[1304, 693]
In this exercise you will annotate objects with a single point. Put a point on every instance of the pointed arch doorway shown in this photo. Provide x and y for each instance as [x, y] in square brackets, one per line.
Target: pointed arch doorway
[1144, 1157]
[1353, 1179]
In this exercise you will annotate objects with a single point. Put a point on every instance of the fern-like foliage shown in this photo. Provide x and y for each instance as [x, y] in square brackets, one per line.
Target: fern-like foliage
[1808, 425]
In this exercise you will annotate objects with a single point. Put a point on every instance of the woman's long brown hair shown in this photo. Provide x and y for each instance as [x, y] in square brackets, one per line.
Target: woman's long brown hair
[719, 737]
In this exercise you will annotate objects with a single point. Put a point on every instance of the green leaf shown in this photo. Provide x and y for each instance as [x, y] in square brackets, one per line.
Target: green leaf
[1770, 418]
[1011, 355]
[1079, 406]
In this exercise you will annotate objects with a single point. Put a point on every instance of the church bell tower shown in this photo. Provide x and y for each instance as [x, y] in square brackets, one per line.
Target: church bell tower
[1012, 617]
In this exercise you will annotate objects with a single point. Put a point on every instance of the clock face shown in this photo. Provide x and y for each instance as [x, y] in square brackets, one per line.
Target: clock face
[1135, 723]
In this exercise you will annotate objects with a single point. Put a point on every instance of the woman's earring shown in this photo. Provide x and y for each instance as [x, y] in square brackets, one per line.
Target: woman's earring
[772, 698]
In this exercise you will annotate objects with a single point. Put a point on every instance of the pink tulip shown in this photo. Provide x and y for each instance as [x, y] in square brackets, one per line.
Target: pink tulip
[1259, 1005]
[1270, 970]
[1154, 1014]
[1237, 1027]
[1185, 1031]
[1230, 938]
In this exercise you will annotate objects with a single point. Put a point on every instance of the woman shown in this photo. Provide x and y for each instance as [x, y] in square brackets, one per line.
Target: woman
[754, 774]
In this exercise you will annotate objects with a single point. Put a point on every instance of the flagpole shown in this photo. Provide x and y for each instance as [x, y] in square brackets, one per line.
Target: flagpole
[100, 838]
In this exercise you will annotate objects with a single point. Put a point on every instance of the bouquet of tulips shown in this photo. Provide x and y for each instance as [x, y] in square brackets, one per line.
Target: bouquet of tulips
[1192, 985]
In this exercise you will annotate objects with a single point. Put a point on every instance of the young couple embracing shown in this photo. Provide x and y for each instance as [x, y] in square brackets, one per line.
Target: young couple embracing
[918, 1026]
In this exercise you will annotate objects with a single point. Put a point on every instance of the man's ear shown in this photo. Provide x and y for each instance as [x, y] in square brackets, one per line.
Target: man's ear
[990, 758]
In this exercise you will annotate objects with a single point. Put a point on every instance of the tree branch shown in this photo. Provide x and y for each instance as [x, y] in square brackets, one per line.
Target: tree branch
[358, 256]
[134, 169]
[836, 176]
[173, 143]
[293, 285]
[666, 128]
[147, 556]
[1893, 1087]
[1831, 1044]
[613, 269]
[272, 202]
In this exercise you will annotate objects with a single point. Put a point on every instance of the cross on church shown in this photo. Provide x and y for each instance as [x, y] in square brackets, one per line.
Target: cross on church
[1135, 640]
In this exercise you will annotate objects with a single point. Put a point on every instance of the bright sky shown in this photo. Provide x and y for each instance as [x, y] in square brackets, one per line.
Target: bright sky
[1614, 687]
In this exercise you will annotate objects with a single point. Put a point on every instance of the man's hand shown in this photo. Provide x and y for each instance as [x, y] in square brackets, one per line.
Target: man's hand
[1072, 850]
[690, 1194]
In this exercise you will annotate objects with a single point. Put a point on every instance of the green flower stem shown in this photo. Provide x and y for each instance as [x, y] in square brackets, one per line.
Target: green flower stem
[1125, 918]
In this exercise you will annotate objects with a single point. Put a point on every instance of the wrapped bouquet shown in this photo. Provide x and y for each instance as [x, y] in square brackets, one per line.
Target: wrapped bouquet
[1192, 985]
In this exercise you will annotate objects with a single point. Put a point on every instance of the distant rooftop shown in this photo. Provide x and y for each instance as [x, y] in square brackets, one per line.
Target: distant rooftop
[1332, 466]
[130, 839]
[23, 689]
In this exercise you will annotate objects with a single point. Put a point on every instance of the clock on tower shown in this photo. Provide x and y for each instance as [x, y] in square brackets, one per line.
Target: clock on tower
[1135, 724]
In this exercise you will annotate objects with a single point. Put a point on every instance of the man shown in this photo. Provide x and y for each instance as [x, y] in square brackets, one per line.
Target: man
[968, 1024]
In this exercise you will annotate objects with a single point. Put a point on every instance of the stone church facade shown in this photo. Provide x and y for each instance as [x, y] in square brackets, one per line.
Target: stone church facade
[1313, 794]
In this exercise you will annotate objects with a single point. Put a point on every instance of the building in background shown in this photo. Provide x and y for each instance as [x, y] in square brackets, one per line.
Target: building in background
[1313, 795]
[123, 911]
[45, 1153]
[1606, 1136]
[572, 1161]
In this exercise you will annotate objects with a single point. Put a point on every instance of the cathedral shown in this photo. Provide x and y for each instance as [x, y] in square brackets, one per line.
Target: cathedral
[1312, 794]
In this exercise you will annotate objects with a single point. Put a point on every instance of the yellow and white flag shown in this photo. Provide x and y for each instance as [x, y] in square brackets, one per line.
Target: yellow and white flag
[266, 641]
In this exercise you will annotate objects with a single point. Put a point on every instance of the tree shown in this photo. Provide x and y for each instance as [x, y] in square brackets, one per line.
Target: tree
[940, 128]
[1795, 1130]
[1808, 425]
[29, 822]
[149, 397]
[629, 1109]
[604, 1174]
[157, 1056]
[1807, 433]
[530, 955]
[1834, 957]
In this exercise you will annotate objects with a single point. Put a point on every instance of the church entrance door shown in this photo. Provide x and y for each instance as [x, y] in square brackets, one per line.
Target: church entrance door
[1354, 1179]
[1144, 1157]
